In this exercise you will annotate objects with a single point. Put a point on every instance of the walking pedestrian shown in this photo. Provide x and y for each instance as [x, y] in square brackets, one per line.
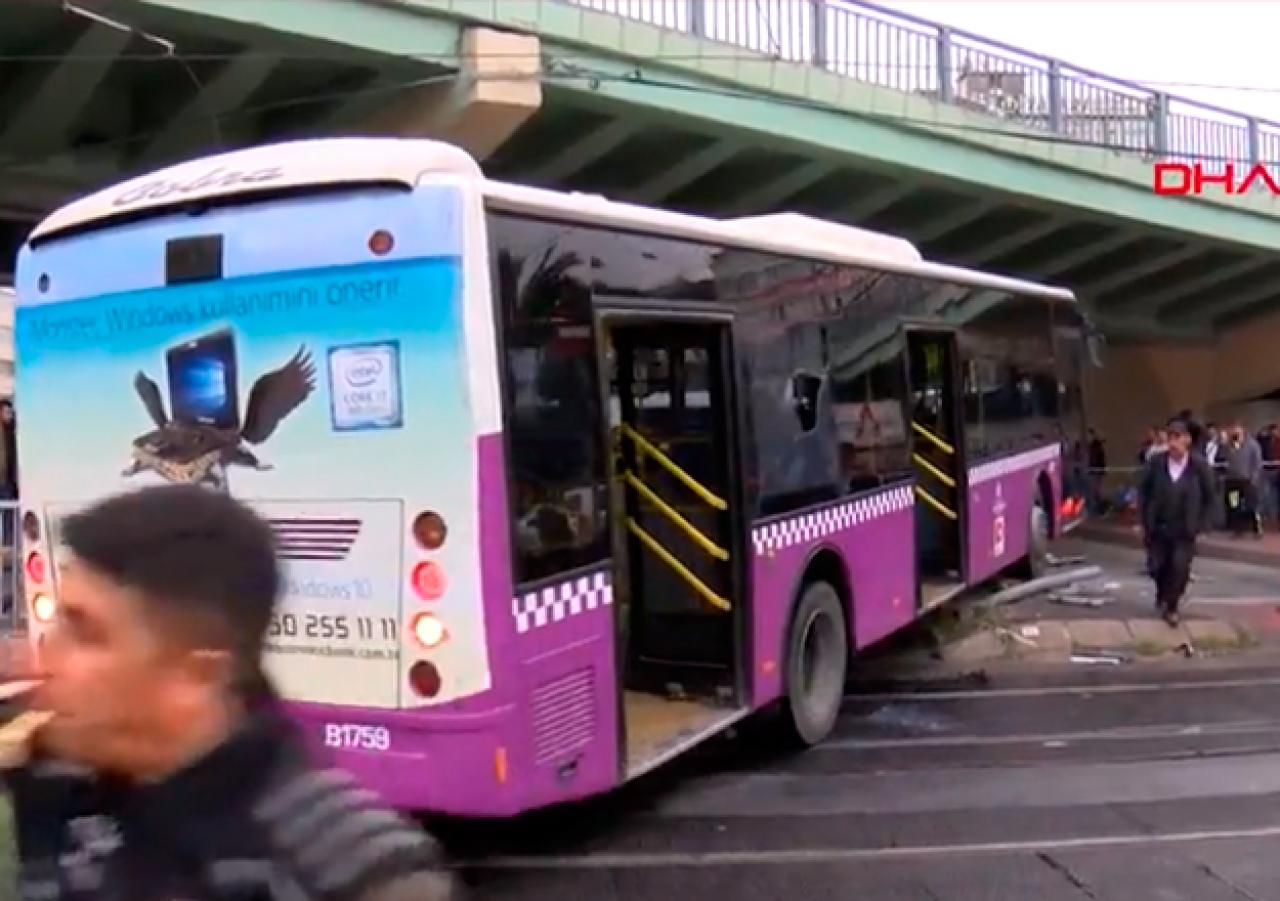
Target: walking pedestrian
[1243, 478]
[1175, 500]
[165, 770]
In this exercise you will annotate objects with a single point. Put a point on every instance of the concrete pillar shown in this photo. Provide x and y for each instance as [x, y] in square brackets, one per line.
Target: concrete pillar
[496, 90]
[1247, 363]
[1142, 385]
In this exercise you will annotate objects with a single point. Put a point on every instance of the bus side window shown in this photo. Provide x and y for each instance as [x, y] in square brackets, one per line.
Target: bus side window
[555, 433]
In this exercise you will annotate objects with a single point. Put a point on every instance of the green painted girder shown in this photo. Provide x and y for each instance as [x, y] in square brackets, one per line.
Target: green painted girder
[666, 184]
[764, 100]
[586, 149]
[779, 190]
[1170, 303]
[602, 62]
[234, 84]
[958, 219]
[1063, 263]
[871, 203]
[830, 113]
[1227, 306]
[394, 30]
[1139, 269]
[50, 110]
[1012, 243]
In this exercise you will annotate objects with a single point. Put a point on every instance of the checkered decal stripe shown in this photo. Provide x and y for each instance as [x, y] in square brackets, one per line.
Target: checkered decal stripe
[810, 527]
[554, 603]
[994, 469]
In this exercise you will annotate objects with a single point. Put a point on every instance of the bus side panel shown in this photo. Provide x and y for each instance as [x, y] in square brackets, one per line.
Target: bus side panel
[548, 731]
[875, 537]
[1001, 494]
[559, 662]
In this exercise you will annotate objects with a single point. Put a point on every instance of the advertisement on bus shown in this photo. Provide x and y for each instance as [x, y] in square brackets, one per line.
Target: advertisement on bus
[315, 397]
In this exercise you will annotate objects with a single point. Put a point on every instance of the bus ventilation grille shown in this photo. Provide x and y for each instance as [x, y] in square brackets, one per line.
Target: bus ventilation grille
[564, 716]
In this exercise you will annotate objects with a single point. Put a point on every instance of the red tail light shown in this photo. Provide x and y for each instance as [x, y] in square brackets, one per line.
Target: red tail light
[428, 580]
[429, 530]
[424, 678]
[36, 569]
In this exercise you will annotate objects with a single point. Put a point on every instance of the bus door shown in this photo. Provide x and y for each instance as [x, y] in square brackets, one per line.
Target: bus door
[937, 458]
[676, 537]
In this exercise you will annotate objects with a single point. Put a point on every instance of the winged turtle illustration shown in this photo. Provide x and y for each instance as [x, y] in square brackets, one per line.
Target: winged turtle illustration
[168, 450]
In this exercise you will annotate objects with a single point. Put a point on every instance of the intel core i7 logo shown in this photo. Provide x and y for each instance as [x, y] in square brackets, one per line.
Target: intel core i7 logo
[364, 386]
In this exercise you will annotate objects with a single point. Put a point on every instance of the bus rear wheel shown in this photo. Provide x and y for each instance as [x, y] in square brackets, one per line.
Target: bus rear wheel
[817, 661]
[1037, 563]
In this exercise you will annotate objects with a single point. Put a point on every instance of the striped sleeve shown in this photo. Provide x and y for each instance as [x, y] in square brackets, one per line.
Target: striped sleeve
[339, 841]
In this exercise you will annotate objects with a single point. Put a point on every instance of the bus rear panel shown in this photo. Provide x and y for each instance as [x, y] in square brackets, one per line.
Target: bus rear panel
[308, 356]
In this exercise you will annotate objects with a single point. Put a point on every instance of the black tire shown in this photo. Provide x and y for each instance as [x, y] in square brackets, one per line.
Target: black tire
[1037, 563]
[817, 663]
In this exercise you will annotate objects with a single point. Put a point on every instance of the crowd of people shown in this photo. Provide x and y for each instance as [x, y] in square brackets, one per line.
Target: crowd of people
[1245, 470]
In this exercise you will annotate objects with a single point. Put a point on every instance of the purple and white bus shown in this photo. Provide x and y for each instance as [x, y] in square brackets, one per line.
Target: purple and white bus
[562, 486]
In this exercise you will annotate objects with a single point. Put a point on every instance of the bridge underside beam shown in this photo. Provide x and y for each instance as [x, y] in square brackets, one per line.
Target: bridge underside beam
[600, 121]
[495, 91]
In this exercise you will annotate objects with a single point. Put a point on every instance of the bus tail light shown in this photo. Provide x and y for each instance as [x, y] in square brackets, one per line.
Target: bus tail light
[428, 580]
[36, 569]
[31, 526]
[43, 608]
[429, 531]
[424, 678]
[428, 631]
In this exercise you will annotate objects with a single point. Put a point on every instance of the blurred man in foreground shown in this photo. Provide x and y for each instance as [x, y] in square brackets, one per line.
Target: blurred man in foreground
[164, 771]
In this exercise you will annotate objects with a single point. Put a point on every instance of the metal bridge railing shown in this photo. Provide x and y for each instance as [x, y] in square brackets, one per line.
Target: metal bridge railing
[901, 51]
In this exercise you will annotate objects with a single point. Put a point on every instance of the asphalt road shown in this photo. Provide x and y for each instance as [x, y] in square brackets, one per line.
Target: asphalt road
[1074, 785]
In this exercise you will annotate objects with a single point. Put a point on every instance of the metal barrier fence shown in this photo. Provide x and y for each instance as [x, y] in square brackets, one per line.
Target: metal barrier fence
[901, 51]
[1116, 480]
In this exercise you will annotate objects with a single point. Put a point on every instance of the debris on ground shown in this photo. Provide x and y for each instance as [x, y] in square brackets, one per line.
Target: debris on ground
[1076, 600]
[1055, 560]
[1024, 635]
[1107, 659]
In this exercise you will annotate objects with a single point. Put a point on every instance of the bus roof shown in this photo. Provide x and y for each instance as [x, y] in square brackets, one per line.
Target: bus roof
[334, 162]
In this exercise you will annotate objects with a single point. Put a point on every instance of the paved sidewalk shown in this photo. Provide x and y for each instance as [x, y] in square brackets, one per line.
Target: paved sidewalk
[1232, 609]
[1261, 552]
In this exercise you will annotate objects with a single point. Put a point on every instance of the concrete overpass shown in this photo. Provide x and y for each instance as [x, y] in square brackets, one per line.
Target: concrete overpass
[980, 153]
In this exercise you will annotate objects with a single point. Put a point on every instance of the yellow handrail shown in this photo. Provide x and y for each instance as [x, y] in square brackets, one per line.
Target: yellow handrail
[942, 445]
[679, 568]
[648, 449]
[672, 514]
[934, 471]
[934, 502]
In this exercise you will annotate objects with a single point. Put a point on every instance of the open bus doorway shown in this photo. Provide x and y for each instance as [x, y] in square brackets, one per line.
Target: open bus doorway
[675, 532]
[937, 450]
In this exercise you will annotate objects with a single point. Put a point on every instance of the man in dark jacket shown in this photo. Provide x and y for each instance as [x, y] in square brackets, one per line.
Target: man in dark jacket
[1175, 500]
[166, 771]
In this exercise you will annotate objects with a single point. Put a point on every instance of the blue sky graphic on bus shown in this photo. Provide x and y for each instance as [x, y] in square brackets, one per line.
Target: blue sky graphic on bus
[265, 387]
[333, 399]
